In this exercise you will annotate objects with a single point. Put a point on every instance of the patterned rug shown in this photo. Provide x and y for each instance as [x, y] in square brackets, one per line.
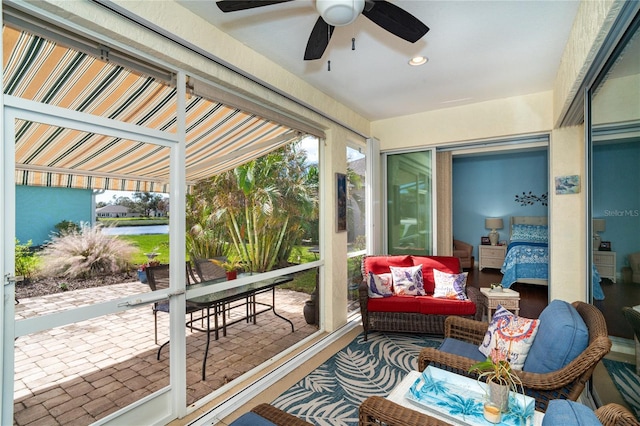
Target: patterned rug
[332, 393]
[627, 382]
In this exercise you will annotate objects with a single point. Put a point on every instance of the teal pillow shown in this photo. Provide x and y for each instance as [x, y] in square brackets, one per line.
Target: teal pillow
[562, 336]
[569, 413]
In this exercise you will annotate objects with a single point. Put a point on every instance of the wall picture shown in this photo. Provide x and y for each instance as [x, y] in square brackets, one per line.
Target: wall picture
[567, 184]
[341, 202]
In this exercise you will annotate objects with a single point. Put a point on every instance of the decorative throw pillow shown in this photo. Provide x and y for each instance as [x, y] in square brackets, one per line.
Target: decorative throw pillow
[380, 285]
[407, 281]
[450, 286]
[511, 335]
[530, 233]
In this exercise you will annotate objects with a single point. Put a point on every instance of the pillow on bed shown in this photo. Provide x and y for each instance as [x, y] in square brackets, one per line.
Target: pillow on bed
[407, 281]
[450, 286]
[530, 233]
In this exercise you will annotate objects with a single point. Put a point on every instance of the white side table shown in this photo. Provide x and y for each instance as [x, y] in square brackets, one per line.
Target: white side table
[605, 262]
[509, 299]
[491, 256]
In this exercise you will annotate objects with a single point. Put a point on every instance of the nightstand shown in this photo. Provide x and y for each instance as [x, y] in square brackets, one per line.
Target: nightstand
[509, 299]
[605, 262]
[491, 256]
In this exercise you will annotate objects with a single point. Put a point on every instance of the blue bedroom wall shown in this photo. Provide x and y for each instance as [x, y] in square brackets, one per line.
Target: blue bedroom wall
[39, 209]
[616, 199]
[486, 185]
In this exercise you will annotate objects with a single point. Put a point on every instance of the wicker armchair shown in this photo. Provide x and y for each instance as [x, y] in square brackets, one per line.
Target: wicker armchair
[277, 416]
[566, 383]
[616, 415]
[376, 411]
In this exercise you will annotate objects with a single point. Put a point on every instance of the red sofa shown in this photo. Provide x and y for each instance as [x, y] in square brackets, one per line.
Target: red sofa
[417, 314]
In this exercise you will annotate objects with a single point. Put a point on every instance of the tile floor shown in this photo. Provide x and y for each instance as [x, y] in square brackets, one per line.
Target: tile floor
[84, 371]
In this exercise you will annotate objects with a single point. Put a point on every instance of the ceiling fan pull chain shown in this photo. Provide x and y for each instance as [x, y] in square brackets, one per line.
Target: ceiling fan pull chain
[353, 43]
[328, 65]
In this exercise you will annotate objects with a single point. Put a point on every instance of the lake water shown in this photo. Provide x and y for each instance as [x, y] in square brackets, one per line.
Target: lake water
[137, 230]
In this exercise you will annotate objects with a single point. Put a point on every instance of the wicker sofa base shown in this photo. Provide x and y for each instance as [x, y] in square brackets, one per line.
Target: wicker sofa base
[405, 322]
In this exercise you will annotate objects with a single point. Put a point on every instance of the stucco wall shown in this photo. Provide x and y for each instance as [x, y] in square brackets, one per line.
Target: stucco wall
[501, 117]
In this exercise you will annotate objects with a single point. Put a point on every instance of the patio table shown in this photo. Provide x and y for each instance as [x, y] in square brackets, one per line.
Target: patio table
[217, 301]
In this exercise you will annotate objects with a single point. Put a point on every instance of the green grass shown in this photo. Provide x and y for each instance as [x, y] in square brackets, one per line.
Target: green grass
[149, 243]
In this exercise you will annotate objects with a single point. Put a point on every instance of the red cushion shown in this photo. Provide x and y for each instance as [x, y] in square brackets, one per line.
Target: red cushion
[394, 304]
[447, 264]
[436, 306]
[380, 264]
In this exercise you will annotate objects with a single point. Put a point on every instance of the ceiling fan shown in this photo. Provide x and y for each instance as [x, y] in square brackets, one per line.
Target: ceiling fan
[335, 13]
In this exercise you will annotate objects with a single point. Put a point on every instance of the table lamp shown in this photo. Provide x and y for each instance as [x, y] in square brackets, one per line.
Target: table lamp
[493, 223]
[599, 225]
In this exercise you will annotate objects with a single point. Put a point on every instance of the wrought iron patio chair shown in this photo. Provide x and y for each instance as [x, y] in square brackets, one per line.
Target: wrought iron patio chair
[158, 279]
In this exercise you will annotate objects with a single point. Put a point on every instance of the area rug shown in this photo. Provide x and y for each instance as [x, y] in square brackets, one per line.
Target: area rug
[332, 393]
[626, 381]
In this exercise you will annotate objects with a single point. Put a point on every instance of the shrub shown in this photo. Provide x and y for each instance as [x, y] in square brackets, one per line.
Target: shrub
[87, 253]
[66, 227]
[26, 259]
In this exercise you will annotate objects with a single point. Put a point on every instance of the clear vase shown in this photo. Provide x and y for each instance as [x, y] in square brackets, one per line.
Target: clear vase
[499, 395]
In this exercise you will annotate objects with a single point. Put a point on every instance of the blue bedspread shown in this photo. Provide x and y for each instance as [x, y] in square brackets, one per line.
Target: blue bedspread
[525, 260]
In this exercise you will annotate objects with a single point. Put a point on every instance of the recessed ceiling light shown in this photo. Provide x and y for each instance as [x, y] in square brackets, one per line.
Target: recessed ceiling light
[418, 60]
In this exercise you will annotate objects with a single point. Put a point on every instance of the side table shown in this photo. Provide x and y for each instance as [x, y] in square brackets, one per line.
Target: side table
[509, 299]
[491, 256]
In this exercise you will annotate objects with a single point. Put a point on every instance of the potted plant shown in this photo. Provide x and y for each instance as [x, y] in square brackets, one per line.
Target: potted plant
[500, 378]
[231, 268]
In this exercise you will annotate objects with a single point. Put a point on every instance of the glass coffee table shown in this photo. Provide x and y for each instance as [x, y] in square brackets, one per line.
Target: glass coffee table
[456, 399]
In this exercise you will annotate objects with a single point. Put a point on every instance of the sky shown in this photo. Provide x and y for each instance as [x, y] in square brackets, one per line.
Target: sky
[309, 144]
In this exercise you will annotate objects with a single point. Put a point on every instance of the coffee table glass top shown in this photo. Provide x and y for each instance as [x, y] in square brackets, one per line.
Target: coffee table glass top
[457, 399]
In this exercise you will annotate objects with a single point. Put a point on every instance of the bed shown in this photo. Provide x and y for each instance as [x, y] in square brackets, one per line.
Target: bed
[527, 259]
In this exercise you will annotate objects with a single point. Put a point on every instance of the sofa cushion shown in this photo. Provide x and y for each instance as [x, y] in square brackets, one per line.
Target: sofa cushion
[407, 281]
[450, 286]
[562, 336]
[447, 264]
[511, 335]
[431, 305]
[251, 419]
[569, 413]
[380, 285]
[465, 349]
[380, 264]
[407, 304]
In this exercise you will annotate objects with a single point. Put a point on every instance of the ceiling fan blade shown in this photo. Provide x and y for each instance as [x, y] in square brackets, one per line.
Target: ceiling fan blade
[396, 20]
[236, 5]
[318, 40]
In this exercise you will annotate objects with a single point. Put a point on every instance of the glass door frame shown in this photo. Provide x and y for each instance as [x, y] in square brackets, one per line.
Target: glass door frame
[165, 404]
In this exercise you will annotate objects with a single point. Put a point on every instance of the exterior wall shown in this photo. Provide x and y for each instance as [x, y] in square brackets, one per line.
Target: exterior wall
[39, 209]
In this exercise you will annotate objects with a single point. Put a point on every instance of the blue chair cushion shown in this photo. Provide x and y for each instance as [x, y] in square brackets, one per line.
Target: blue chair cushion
[562, 336]
[569, 413]
[458, 347]
[251, 419]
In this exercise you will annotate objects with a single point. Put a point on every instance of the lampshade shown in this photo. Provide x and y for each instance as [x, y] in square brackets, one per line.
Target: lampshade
[599, 225]
[493, 223]
[339, 12]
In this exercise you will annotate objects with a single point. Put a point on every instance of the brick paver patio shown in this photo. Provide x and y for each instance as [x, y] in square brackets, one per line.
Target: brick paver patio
[84, 371]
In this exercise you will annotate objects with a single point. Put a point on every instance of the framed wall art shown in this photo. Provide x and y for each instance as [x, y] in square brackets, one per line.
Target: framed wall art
[341, 202]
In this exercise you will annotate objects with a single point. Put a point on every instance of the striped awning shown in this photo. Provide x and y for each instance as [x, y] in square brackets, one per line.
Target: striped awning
[218, 137]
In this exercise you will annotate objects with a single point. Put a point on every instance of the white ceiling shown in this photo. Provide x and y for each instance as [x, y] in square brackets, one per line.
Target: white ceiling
[477, 50]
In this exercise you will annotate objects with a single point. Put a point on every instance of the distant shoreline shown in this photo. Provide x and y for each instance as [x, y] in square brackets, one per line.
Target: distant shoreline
[133, 222]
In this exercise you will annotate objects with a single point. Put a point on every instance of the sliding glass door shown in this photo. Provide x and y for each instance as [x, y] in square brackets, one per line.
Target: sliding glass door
[410, 205]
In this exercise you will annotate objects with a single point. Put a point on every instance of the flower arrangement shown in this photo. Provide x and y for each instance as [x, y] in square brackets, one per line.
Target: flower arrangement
[496, 287]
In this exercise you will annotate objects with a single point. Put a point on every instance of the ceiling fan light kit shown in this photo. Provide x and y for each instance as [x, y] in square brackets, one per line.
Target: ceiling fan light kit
[334, 13]
[339, 12]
